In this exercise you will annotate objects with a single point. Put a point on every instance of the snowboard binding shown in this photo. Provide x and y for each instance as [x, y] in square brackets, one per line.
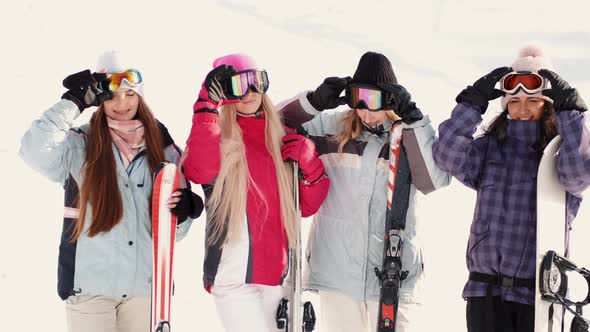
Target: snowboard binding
[553, 285]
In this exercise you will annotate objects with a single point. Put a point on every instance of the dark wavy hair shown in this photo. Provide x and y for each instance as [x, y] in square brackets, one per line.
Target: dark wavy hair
[497, 128]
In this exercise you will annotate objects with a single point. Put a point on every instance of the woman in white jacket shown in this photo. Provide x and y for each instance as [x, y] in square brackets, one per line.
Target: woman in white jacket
[106, 168]
[346, 240]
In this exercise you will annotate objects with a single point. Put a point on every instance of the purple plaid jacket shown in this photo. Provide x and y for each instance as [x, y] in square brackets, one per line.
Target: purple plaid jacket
[503, 230]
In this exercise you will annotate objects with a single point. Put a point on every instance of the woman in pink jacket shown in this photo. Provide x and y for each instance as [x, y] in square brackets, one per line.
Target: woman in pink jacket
[239, 150]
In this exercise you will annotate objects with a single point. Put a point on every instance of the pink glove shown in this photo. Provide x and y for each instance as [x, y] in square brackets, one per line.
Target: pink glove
[302, 150]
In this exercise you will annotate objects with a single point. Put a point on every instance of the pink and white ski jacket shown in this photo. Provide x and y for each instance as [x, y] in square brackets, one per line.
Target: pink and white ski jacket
[260, 256]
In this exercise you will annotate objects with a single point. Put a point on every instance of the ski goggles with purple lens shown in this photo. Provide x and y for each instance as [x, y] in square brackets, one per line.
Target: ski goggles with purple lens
[365, 96]
[239, 84]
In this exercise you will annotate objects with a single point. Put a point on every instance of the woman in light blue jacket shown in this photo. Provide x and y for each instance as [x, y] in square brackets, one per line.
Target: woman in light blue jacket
[346, 240]
[106, 168]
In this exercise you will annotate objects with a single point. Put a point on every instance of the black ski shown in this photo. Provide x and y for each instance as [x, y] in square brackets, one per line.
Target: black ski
[391, 274]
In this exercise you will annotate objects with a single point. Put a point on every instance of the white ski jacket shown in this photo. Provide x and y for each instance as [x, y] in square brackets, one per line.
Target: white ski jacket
[117, 263]
[346, 239]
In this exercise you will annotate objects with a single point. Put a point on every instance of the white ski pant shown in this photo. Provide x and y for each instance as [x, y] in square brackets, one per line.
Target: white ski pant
[340, 313]
[108, 314]
[248, 307]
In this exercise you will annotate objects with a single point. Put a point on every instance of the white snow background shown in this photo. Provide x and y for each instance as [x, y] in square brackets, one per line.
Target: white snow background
[436, 48]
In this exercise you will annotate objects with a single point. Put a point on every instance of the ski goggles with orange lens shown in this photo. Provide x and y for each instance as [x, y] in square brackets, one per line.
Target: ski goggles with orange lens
[527, 81]
[116, 80]
[239, 84]
[365, 97]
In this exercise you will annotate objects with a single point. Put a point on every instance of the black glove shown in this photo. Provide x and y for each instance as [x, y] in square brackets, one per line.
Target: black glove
[83, 89]
[400, 100]
[483, 89]
[190, 205]
[565, 98]
[214, 83]
[327, 95]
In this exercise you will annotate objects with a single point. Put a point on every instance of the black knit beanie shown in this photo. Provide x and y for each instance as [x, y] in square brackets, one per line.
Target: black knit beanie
[374, 68]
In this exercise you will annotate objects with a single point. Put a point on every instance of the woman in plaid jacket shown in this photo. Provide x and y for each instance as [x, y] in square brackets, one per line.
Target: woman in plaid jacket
[501, 166]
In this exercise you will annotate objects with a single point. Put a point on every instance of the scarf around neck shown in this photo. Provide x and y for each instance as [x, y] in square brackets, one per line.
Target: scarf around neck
[128, 137]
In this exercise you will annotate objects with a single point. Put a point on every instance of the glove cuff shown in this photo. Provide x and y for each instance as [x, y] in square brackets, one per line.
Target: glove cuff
[196, 206]
[69, 96]
[311, 99]
[204, 105]
[472, 96]
[313, 172]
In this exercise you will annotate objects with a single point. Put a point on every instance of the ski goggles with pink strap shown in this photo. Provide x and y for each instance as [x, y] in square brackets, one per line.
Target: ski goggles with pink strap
[239, 84]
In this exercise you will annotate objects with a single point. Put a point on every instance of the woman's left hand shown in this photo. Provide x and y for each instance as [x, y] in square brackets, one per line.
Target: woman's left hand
[565, 98]
[302, 150]
[401, 102]
[184, 203]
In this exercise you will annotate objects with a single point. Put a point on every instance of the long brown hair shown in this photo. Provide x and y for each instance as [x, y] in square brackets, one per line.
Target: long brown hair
[100, 181]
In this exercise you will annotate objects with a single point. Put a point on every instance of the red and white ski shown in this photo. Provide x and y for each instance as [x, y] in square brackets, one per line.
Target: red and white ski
[166, 181]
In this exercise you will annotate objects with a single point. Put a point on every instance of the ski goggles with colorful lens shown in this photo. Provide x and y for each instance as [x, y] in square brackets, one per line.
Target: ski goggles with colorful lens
[365, 96]
[116, 80]
[239, 84]
[527, 81]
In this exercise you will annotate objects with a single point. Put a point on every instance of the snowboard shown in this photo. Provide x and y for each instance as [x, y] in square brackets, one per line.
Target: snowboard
[551, 291]
[551, 228]
[166, 181]
[294, 315]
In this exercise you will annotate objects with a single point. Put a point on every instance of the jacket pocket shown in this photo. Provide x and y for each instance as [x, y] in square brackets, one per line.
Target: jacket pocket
[480, 226]
[412, 262]
[335, 244]
[475, 240]
[493, 174]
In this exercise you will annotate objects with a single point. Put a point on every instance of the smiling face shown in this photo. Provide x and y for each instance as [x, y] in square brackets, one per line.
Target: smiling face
[123, 106]
[250, 103]
[370, 118]
[525, 108]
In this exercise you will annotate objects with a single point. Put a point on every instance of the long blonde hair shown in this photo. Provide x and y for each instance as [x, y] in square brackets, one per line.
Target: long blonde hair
[227, 203]
[351, 127]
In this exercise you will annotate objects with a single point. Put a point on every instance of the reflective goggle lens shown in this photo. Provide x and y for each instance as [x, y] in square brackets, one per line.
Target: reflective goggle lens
[241, 82]
[132, 76]
[371, 97]
[529, 81]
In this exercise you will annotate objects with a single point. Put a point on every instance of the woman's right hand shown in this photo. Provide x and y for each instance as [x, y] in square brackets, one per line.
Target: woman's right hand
[212, 95]
[83, 89]
[327, 95]
[483, 90]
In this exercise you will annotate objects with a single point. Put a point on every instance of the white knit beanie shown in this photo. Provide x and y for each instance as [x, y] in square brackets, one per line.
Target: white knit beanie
[530, 58]
[113, 62]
